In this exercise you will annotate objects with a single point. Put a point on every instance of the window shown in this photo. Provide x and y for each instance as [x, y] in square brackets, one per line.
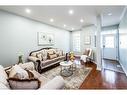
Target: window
[76, 42]
[109, 42]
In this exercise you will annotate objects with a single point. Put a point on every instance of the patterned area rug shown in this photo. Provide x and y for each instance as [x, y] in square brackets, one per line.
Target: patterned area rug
[72, 82]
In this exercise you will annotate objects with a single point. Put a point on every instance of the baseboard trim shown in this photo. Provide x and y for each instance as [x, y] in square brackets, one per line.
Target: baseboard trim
[123, 68]
[98, 68]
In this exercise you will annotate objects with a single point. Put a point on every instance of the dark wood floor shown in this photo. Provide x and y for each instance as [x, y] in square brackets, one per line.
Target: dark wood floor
[105, 79]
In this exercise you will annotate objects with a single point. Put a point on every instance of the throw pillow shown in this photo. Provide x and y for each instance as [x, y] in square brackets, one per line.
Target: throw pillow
[27, 66]
[50, 51]
[18, 72]
[44, 55]
[39, 55]
[60, 53]
[24, 83]
[52, 56]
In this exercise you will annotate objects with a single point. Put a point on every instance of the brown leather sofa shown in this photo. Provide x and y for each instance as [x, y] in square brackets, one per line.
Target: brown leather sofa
[46, 57]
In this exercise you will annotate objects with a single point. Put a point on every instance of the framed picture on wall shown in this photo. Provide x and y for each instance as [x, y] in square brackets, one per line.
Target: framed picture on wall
[88, 40]
[45, 38]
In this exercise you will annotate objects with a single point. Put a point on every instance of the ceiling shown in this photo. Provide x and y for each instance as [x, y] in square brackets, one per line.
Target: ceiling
[110, 15]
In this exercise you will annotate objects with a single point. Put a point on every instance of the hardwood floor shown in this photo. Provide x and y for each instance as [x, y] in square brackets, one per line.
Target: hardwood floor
[105, 79]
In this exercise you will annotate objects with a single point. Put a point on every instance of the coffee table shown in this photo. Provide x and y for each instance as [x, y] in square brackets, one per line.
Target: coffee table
[66, 68]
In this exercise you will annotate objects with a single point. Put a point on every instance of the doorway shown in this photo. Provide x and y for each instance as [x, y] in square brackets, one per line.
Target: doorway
[109, 48]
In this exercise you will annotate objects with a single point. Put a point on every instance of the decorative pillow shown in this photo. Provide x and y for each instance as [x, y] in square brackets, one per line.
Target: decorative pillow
[60, 53]
[24, 83]
[27, 66]
[44, 55]
[39, 55]
[52, 56]
[18, 72]
[57, 53]
[50, 51]
[54, 50]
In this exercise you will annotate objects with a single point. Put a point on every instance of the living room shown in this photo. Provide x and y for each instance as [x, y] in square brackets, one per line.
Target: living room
[67, 30]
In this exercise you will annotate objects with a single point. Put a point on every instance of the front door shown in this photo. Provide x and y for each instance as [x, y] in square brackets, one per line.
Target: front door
[109, 46]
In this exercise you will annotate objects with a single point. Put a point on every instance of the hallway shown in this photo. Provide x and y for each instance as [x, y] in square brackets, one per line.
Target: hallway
[112, 65]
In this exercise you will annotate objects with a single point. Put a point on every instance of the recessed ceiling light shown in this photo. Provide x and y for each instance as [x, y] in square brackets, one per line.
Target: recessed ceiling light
[51, 20]
[28, 11]
[81, 20]
[109, 14]
[64, 25]
[71, 12]
[72, 28]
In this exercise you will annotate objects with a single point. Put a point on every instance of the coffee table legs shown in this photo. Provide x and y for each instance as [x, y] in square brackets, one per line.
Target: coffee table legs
[66, 71]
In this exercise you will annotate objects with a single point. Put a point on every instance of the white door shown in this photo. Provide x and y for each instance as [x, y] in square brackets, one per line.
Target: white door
[109, 46]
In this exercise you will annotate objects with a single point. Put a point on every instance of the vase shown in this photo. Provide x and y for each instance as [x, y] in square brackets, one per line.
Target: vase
[20, 60]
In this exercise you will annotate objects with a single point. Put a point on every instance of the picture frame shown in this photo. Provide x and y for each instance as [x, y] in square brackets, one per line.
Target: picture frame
[45, 38]
[88, 40]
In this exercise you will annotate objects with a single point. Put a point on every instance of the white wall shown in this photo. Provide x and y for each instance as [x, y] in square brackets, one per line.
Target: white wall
[88, 31]
[123, 50]
[19, 34]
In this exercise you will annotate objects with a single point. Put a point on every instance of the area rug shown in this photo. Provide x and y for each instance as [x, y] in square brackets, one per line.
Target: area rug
[72, 82]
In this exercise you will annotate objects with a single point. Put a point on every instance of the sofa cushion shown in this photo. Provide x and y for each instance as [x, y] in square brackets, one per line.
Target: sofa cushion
[44, 54]
[18, 72]
[39, 55]
[3, 86]
[3, 76]
[27, 66]
[2, 72]
[24, 83]
[52, 56]
[59, 52]
[50, 51]
[50, 61]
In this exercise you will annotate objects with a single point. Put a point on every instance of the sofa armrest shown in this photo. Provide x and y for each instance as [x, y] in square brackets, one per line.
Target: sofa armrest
[33, 59]
[36, 62]
[55, 83]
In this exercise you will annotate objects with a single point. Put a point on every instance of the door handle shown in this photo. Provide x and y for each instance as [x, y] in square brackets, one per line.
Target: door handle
[103, 46]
